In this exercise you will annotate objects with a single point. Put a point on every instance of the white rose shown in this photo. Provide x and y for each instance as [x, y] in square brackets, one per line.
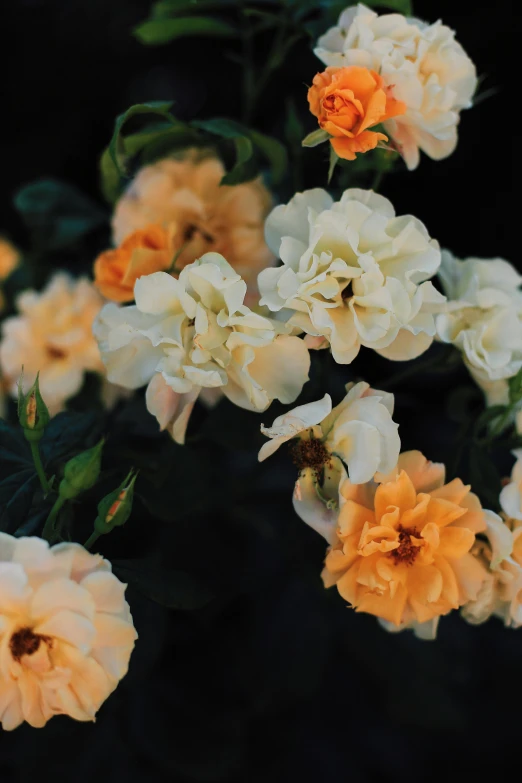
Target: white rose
[483, 319]
[501, 592]
[359, 433]
[66, 633]
[195, 332]
[428, 69]
[353, 274]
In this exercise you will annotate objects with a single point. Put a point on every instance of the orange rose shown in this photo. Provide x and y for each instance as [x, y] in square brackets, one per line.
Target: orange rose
[348, 101]
[402, 550]
[145, 251]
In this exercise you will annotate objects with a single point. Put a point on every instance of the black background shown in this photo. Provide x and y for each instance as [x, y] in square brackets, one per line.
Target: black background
[277, 680]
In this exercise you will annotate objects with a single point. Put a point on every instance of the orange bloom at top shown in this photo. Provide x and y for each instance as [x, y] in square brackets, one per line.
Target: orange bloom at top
[403, 546]
[349, 101]
[145, 251]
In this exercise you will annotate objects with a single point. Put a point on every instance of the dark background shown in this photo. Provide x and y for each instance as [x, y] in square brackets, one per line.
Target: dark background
[275, 680]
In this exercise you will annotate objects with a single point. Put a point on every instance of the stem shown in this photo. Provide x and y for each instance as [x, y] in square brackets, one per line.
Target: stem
[35, 451]
[92, 539]
[377, 180]
[49, 527]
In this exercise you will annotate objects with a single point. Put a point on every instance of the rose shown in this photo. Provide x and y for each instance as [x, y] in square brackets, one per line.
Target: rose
[348, 101]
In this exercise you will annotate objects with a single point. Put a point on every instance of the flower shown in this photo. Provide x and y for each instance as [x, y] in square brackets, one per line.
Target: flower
[359, 433]
[195, 332]
[483, 319]
[349, 101]
[9, 260]
[501, 592]
[402, 547]
[66, 632]
[144, 251]
[185, 195]
[353, 274]
[428, 69]
[53, 335]
[511, 495]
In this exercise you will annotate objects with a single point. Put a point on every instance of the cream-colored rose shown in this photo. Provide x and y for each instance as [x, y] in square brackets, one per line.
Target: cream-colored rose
[52, 335]
[483, 319]
[195, 332]
[358, 434]
[185, 193]
[501, 592]
[353, 274]
[66, 632]
[429, 70]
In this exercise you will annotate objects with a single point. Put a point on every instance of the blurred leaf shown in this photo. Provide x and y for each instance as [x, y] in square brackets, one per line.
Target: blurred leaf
[293, 125]
[484, 476]
[16, 496]
[57, 214]
[154, 32]
[275, 153]
[399, 6]
[116, 145]
[15, 453]
[515, 388]
[67, 433]
[168, 8]
[170, 588]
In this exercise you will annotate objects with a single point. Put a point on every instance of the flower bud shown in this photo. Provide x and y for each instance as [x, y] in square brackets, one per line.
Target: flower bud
[82, 472]
[32, 411]
[115, 508]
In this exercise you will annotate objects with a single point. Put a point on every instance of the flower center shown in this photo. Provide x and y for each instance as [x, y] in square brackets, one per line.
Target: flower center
[347, 292]
[339, 104]
[406, 552]
[55, 353]
[26, 642]
[310, 453]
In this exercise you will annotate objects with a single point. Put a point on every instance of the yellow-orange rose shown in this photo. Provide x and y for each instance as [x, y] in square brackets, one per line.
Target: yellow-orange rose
[403, 545]
[349, 101]
[145, 251]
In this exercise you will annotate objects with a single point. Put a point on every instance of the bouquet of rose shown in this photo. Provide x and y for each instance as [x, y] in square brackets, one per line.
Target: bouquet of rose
[132, 395]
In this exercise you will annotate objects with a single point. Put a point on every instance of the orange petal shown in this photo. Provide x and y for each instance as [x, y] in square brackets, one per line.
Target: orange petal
[400, 493]
[455, 491]
[384, 606]
[425, 583]
[352, 518]
[347, 584]
[455, 541]
[443, 513]
[347, 148]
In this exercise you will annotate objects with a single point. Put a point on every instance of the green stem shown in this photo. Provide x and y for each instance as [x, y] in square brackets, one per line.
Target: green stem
[35, 451]
[377, 180]
[49, 527]
[92, 539]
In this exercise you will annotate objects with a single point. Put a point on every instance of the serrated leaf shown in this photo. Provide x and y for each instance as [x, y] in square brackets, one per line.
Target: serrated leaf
[67, 433]
[155, 32]
[315, 138]
[57, 214]
[171, 588]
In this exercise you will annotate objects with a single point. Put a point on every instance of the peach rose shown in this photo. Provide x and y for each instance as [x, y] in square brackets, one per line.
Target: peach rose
[145, 251]
[403, 545]
[185, 192]
[349, 101]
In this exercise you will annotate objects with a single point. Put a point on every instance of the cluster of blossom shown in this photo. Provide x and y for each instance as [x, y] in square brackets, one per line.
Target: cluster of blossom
[189, 303]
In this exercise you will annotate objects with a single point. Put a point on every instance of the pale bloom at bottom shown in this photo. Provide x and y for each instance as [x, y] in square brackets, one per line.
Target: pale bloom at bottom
[66, 632]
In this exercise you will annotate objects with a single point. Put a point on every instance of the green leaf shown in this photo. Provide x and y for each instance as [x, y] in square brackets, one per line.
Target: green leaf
[116, 145]
[168, 8]
[484, 476]
[334, 159]
[155, 32]
[152, 143]
[57, 214]
[315, 138]
[399, 6]
[16, 497]
[68, 433]
[275, 153]
[171, 588]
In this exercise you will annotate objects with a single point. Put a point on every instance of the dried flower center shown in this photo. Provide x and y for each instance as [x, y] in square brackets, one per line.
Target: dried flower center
[310, 453]
[26, 642]
[406, 552]
[55, 353]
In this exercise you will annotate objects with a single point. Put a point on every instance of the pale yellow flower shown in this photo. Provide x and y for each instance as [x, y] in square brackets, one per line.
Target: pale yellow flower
[52, 334]
[66, 633]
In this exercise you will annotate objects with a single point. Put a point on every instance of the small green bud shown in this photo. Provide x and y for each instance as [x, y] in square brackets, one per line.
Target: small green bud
[32, 411]
[82, 472]
[115, 508]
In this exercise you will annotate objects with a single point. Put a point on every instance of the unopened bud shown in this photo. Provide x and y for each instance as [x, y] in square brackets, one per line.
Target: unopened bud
[32, 411]
[115, 508]
[82, 472]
